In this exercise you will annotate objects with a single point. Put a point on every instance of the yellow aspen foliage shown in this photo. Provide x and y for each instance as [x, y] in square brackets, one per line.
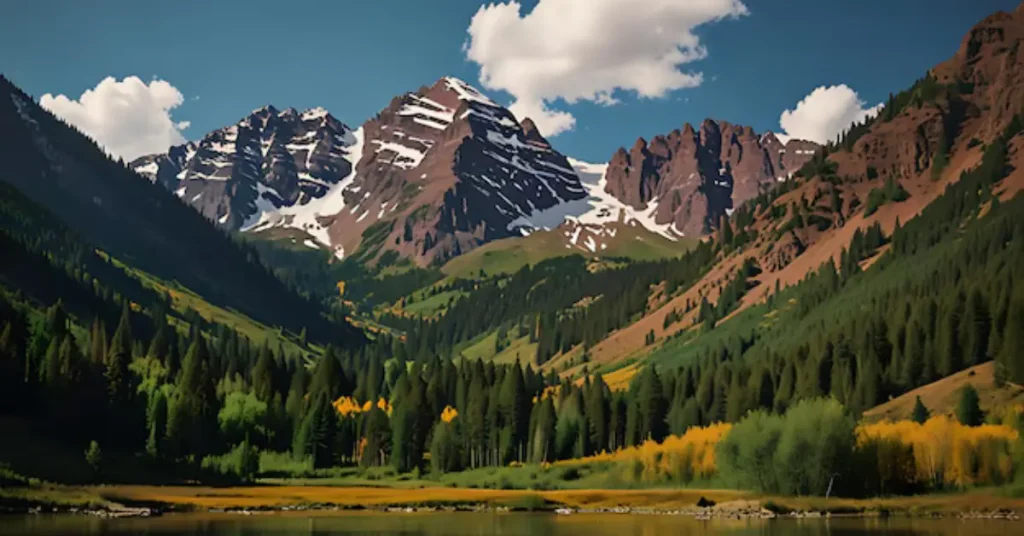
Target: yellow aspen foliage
[448, 414]
[947, 454]
[677, 459]
[341, 288]
[347, 406]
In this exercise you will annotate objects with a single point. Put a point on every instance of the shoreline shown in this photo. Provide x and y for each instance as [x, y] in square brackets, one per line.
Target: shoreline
[115, 501]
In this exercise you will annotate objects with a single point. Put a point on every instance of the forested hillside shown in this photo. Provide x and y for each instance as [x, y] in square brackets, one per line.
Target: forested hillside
[106, 203]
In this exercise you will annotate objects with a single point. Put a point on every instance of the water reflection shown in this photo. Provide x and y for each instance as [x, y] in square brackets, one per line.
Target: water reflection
[467, 524]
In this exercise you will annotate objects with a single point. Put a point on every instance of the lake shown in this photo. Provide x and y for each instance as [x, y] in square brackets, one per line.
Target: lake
[502, 524]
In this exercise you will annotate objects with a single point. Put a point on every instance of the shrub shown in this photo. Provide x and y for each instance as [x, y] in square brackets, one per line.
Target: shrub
[242, 464]
[528, 503]
[283, 464]
[797, 453]
[94, 456]
[745, 455]
[816, 442]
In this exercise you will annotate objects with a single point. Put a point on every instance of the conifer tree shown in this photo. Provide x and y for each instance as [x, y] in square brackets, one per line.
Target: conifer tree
[920, 412]
[968, 407]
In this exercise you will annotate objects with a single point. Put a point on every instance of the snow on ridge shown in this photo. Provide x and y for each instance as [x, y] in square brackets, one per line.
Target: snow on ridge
[405, 157]
[431, 112]
[597, 208]
[467, 92]
[148, 170]
[313, 114]
[306, 217]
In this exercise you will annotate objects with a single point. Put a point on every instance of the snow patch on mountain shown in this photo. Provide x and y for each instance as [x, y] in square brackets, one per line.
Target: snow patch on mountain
[596, 209]
[307, 217]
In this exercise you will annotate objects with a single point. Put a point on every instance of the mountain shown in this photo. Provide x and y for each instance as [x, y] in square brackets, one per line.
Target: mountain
[689, 179]
[143, 226]
[281, 158]
[436, 173]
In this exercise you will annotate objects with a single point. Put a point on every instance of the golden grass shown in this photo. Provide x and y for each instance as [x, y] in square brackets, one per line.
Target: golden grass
[619, 380]
[661, 499]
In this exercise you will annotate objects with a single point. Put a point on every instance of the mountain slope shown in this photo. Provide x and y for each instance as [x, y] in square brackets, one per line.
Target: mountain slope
[598, 225]
[144, 226]
[886, 170]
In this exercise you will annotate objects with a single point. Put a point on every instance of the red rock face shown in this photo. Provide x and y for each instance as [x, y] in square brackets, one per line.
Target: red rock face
[696, 177]
[989, 68]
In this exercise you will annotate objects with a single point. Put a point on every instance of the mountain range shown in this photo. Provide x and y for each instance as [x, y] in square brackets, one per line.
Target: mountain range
[444, 170]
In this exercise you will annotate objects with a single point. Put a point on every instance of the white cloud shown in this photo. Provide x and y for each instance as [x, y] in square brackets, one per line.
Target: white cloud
[128, 118]
[824, 113]
[587, 50]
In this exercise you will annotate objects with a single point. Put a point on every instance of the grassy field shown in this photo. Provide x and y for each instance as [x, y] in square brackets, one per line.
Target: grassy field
[511, 254]
[483, 348]
[432, 305]
[507, 255]
[254, 497]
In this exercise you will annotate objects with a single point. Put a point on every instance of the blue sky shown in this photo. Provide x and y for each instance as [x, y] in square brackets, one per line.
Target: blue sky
[227, 58]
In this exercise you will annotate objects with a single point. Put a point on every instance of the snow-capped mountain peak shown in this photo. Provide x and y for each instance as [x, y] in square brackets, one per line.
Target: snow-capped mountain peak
[280, 157]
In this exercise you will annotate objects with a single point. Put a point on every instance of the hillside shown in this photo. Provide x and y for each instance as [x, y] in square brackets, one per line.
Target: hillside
[143, 225]
[883, 172]
[942, 396]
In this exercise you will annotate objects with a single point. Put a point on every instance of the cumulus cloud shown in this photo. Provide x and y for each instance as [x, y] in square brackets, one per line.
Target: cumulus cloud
[586, 50]
[128, 118]
[826, 112]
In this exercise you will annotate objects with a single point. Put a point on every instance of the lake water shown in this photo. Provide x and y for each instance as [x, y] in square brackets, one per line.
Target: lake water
[466, 524]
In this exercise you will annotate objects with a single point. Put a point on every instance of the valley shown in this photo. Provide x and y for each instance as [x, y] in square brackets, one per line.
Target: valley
[440, 307]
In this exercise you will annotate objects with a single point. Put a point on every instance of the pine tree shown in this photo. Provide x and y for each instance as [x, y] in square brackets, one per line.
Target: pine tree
[12, 369]
[651, 406]
[263, 375]
[190, 422]
[514, 409]
[119, 378]
[320, 427]
[156, 419]
[920, 412]
[968, 408]
[377, 436]
[543, 434]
